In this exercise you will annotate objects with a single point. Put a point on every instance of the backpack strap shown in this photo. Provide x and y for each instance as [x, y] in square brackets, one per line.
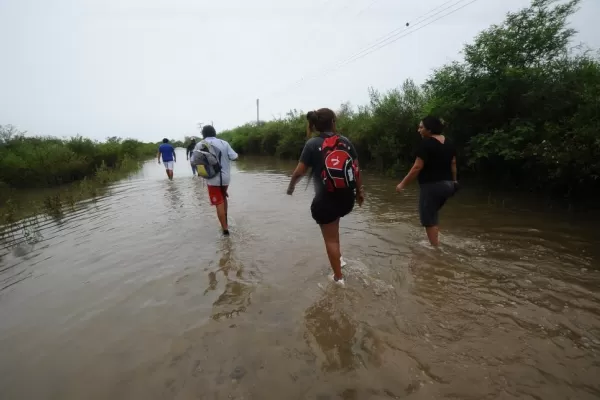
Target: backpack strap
[221, 174]
[310, 175]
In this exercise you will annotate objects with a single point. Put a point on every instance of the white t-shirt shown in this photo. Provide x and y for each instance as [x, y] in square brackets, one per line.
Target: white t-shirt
[227, 155]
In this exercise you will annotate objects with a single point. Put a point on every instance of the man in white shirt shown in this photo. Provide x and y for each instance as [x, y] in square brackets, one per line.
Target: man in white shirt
[218, 185]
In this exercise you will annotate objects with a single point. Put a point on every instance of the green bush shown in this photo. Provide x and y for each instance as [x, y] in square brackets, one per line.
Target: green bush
[522, 108]
[27, 162]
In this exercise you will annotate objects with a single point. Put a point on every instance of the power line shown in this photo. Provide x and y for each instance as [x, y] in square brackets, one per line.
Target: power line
[377, 41]
[380, 38]
[371, 4]
[385, 40]
[427, 13]
[396, 32]
[411, 22]
[381, 42]
[395, 38]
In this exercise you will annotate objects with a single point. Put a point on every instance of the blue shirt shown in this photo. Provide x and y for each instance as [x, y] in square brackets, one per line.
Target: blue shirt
[166, 150]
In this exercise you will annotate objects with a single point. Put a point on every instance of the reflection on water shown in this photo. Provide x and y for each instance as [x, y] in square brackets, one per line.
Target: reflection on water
[341, 343]
[173, 195]
[136, 295]
[333, 333]
[236, 294]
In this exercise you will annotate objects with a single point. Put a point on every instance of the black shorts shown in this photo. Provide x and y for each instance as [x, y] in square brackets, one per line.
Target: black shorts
[328, 207]
[432, 198]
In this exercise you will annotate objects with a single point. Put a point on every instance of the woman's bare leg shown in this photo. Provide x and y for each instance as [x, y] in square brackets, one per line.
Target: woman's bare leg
[433, 233]
[331, 236]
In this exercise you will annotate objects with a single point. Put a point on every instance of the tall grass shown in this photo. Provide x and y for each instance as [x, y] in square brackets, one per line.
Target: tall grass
[37, 162]
[79, 167]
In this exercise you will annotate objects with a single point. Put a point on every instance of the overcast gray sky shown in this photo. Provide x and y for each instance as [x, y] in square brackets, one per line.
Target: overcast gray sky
[153, 68]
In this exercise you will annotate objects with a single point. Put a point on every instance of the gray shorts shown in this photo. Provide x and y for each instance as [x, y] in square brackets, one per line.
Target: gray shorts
[432, 198]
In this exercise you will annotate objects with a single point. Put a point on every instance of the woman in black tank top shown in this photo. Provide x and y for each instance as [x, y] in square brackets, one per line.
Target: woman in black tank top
[435, 168]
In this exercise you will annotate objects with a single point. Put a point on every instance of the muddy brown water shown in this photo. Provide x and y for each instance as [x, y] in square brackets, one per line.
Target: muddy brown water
[137, 296]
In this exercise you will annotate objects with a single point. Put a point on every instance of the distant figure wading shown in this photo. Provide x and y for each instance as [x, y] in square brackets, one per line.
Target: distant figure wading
[168, 156]
[188, 154]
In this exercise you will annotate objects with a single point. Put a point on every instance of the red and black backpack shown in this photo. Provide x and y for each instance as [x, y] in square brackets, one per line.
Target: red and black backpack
[340, 170]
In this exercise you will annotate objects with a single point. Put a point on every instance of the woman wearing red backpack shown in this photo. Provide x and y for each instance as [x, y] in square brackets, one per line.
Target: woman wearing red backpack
[337, 180]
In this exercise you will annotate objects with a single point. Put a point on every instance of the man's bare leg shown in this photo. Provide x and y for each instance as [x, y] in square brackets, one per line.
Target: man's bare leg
[222, 215]
[226, 209]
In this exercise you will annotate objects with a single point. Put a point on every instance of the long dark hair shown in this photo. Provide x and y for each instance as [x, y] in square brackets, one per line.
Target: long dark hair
[322, 120]
[433, 124]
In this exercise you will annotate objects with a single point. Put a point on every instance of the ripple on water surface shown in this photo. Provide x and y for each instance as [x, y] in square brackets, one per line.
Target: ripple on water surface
[136, 295]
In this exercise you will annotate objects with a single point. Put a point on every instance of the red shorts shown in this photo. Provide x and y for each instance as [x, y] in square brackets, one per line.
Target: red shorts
[217, 194]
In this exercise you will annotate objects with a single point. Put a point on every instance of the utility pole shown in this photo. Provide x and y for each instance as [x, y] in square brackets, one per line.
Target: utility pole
[257, 114]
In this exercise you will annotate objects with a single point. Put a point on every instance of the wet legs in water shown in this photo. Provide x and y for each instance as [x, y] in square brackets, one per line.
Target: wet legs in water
[170, 174]
[222, 215]
[331, 236]
[433, 234]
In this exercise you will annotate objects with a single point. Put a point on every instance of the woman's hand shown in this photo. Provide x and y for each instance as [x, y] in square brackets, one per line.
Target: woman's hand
[400, 187]
[296, 176]
[360, 197]
[456, 186]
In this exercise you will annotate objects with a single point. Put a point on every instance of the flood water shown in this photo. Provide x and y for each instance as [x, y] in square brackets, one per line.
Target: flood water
[138, 296]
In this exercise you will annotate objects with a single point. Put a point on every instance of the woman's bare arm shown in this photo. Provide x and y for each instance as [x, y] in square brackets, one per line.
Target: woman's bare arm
[296, 176]
[454, 172]
[412, 174]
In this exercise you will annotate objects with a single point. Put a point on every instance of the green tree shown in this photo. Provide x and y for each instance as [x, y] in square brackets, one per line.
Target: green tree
[27, 162]
[9, 132]
[522, 108]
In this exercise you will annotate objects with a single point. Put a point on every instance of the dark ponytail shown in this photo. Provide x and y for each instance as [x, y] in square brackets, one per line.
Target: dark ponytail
[321, 120]
[433, 124]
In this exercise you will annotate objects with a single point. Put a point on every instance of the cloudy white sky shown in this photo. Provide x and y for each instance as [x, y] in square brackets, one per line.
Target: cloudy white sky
[154, 68]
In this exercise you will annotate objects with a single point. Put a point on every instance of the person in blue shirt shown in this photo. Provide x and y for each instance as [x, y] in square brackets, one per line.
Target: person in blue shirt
[168, 156]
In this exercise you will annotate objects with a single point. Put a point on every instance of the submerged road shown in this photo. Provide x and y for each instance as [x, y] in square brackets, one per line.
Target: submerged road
[138, 296]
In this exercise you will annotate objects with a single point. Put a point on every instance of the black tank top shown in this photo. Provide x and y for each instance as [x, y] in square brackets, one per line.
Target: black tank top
[437, 158]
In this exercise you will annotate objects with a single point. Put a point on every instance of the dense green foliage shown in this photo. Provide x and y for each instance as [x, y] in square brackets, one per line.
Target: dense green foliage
[34, 162]
[177, 143]
[523, 108]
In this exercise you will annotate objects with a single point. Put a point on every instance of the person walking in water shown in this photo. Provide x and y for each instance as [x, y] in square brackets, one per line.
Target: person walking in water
[168, 156]
[435, 167]
[218, 172]
[188, 154]
[337, 181]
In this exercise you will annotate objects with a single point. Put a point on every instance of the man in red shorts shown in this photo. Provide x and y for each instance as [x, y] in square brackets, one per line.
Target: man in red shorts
[218, 185]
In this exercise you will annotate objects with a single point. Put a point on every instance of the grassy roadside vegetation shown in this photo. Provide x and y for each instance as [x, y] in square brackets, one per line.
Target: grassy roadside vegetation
[80, 167]
[523, 107]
